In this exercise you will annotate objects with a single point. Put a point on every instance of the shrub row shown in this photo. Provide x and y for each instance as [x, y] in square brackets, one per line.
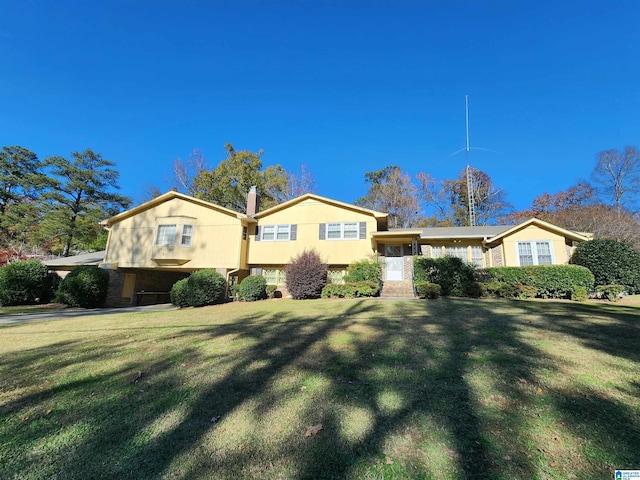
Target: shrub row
[611, 262]
[455, 277]
[28, 282]
[351, 290]
[203, 287]
[549, 281]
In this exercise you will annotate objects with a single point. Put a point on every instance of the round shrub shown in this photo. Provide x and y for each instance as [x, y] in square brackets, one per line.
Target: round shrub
[23, 283]
[428, 290]
[253, 288]
[306, 275]
[205, 287]
[85, 286]
[611, 262]
[178, 293]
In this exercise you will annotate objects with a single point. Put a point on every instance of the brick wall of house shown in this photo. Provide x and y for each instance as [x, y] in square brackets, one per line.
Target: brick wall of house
[496, 256]
[146, 280]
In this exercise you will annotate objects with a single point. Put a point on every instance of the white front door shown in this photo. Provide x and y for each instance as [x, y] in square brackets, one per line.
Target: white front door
[394, 262]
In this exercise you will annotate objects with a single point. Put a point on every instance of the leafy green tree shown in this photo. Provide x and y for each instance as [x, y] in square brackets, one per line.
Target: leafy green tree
[81, 191]
[227, 185]
[21, 180]
[391, 191]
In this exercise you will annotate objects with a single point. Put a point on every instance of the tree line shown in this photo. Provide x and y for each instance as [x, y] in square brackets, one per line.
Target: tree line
[56, 204]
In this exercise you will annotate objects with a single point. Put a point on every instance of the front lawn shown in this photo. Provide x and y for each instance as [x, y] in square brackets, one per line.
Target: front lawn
[443, 389]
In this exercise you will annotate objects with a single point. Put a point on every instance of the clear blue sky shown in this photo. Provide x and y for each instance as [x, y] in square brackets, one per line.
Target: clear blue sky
[342, 86]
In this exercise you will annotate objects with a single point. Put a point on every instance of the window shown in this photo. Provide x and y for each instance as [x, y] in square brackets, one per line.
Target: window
[268, 232]
[457, 251]
[343, 231]
[187, 236]
[274, 276]
[476, 256]
[537, 252]
[336, 276]
[471, 254]
[280, 233]
[166, 235]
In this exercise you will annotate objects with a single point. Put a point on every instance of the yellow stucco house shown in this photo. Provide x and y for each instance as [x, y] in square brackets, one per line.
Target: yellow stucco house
[154, 244]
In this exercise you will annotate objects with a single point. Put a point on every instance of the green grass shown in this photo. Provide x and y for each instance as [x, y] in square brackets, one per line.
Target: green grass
[444, 389]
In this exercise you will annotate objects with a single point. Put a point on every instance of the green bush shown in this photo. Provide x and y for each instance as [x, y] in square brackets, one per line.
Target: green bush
[253, 287]
[205, 287]
[364, 271]
[455, 277]
[611, 262]
[579, 293]
[271, 291]
[178, 293]
[351, 290]
[428, 290]
[550, 281]
[51, 284]
[306, 275]
[610, 292]
[85, 286]
[23, 283]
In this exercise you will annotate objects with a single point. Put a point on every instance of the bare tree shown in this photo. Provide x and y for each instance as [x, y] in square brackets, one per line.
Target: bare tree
[185, 171]
[300, 183]
[392, 191]
[618, 175]
[432, 192]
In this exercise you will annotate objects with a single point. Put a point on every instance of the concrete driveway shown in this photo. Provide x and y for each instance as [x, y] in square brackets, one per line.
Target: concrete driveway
[80, 312]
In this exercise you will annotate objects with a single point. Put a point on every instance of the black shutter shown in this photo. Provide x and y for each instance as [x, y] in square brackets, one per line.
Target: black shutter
[293, 233]
[257, 233]
[323, 229]
[363, 230]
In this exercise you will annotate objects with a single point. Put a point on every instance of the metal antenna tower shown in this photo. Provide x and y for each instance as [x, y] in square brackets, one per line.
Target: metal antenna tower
[469, 174]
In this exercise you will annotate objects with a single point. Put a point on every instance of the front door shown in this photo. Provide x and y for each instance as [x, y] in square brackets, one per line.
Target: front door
[394, 263]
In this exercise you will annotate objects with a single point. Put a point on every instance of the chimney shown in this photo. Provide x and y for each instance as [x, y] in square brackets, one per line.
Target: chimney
[253, 201]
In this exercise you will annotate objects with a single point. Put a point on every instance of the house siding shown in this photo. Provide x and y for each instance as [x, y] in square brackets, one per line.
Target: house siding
[309, 215]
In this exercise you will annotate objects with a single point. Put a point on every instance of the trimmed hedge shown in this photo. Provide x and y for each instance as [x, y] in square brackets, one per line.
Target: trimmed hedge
[364, 271]
[610, 292]
[428, 290]
[306, 275]
[611, 262]
[178, 293]
[85, 286]
[455, 277]
[23, 283]
[253, 287]
[351, 290]
[550, 281]
[205, 287]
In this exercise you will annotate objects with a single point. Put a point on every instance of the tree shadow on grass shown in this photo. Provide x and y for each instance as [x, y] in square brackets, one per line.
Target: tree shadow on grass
[444, 389]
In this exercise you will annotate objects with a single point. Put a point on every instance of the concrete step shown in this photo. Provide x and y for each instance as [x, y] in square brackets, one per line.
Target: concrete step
[403, 289]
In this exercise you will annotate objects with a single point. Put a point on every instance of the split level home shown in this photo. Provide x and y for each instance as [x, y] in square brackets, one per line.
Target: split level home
[153, 245]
